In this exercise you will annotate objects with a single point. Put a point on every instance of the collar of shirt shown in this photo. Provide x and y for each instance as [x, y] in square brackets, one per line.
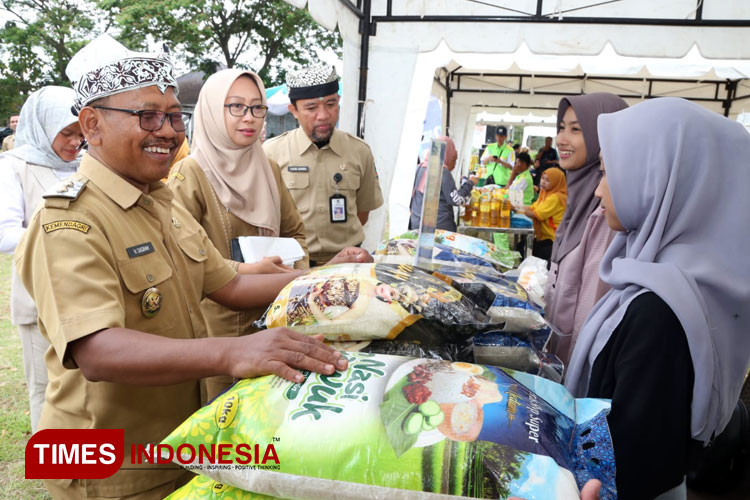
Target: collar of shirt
[303, 143]
[116, 187]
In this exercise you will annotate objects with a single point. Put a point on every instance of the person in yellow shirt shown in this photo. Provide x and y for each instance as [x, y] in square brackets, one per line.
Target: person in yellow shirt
[547, 211]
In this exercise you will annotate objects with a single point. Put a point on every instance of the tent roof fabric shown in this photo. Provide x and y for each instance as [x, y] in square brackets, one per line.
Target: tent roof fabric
[719, 28]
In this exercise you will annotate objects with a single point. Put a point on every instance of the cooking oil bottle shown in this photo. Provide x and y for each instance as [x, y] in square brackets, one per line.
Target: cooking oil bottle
[495, 204]
[485, 203]
[474, 207]
[505, 211]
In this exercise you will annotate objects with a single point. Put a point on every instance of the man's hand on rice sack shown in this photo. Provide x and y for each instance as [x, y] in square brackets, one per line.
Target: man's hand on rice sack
[267, 265]
[590, 491]
[351, 254]
[282, 352]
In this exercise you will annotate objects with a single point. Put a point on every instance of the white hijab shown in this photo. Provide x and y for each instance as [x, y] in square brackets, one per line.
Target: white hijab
[44, 114]
[679, 182]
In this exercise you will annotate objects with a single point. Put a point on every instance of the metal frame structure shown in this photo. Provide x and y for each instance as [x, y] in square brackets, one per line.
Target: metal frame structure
[368, 27]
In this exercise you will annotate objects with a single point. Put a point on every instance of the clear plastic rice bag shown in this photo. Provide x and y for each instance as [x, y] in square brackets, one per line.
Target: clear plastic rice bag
[393, 428]
[505, 301]
[404, 252]
[524, 352]
[500, 257]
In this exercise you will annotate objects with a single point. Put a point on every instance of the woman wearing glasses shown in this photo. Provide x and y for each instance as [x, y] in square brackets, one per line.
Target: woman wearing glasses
[232, 189]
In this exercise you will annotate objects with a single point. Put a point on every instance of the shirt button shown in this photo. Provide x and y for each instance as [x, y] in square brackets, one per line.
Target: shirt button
[202, 251]
[320, 209]
[150, 277]
[147, 202]
[190, 309]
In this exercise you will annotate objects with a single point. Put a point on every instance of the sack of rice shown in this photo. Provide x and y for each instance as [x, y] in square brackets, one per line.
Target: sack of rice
[404, 252]
[413, 349]
[501, 257]
[205, 488]
[375, 301]
[394, 428]
[522, 352]
[504, 300]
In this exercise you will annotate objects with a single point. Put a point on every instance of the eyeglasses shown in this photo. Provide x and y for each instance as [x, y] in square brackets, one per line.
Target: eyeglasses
[153, 120]
[238, 109]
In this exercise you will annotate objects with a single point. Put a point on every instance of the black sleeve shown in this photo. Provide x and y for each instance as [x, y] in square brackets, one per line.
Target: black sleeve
[647, 371]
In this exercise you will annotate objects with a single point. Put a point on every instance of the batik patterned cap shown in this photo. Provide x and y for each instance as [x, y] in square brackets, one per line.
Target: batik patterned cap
[319, 80]
[105, 67]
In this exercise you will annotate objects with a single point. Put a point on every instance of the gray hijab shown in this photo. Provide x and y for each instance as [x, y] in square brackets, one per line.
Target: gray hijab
[679, 190]
[44, 114]
[583, 181]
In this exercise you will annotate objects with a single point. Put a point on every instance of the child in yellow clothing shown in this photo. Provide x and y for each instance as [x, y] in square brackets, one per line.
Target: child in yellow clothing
[547, 211]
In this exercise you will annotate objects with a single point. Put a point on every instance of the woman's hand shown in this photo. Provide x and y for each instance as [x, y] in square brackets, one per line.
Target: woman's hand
[267, 265]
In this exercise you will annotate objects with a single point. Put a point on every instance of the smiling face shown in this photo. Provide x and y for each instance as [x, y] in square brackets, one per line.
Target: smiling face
[116, 139]
[570, 143]
[67, 141]
[244, 131]
[603, 193]
[317, 116]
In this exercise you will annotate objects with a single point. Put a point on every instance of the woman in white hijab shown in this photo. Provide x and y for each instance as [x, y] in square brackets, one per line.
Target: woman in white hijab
[48, 141]
[669, 342]
[233, 190]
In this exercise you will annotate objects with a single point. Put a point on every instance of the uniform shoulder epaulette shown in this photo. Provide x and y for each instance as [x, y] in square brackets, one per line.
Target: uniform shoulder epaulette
[63, 194]
[68, 189]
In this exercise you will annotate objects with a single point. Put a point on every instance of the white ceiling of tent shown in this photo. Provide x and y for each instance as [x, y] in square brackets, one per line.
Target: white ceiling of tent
[571, 33]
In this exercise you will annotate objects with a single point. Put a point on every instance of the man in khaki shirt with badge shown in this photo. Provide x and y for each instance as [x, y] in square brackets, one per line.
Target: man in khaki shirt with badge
[117, 271]
[9, 142]
[329, 173]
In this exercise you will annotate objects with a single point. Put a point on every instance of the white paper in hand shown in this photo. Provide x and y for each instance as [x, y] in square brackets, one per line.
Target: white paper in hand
[255, 248]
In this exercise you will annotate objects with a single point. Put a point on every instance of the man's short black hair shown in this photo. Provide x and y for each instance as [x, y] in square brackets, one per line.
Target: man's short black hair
[524, 158]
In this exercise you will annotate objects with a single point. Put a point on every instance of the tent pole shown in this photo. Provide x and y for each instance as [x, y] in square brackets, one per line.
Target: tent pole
[447, 104]
[365, 28]
[731, 93]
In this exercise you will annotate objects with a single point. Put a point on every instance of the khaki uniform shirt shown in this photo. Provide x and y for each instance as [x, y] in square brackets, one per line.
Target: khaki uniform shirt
[87, 263]
[9, 142]
[193, 190]
[308, 173]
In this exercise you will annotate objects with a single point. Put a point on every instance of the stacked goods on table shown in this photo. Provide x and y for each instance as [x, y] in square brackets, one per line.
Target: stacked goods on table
[505, 301]
[489, 254]
[391, 427]
[379, 302]
[405, 310]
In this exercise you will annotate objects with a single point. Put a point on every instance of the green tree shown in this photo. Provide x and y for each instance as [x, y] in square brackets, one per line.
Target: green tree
[39, 38]
[257, 34]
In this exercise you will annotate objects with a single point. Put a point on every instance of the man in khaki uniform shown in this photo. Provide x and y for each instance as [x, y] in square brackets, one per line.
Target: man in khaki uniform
[330, 174]
[10, 141]
[117, 271]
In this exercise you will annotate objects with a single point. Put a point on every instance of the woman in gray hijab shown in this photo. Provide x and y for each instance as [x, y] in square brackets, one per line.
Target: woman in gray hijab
[574, 286]
[48, 141]
[669, 342]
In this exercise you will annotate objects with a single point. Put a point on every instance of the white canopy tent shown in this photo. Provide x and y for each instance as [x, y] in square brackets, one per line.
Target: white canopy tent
[520, 56]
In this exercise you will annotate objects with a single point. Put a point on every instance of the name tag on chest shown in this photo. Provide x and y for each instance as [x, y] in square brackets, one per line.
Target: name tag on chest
[298, 169]
[138, 250]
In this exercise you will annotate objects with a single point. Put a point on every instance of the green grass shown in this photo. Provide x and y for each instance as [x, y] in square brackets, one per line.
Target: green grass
[15, 428]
